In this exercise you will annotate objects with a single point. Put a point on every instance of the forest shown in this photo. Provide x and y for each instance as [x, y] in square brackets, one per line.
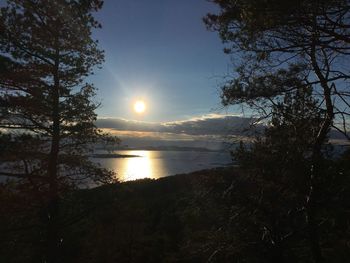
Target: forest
[284, 198]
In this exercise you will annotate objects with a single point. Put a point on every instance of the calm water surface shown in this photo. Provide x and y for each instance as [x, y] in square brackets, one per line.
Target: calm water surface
[156, 164]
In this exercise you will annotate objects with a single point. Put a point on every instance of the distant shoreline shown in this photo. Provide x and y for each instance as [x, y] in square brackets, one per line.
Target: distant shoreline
[164, 148]
[114, 155]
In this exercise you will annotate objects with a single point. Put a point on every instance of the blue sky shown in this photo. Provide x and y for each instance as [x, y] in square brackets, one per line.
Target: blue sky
[161, 52]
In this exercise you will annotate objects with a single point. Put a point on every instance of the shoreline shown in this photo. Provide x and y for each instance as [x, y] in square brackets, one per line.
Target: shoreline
[113, 155]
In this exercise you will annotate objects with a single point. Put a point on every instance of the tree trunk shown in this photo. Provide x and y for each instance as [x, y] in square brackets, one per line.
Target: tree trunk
[52, 239]
[310, 216]
[311, 209]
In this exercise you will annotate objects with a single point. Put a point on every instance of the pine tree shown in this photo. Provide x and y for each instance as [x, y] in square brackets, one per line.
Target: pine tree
[47, 112]
[278, 44]
[278, 163]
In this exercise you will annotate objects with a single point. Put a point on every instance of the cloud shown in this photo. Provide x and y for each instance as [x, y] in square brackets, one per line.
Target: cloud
[127, 125]
[210, 131]
[208, 125]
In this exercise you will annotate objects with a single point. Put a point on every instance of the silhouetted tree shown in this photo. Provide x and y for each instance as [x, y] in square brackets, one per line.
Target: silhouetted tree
[269, 221]
[279, 44]
[278, 163]
[46, 108]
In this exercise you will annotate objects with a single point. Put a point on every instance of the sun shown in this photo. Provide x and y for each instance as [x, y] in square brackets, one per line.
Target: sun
[139, 106]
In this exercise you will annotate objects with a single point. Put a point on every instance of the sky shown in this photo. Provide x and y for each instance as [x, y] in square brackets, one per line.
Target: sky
[159, 51]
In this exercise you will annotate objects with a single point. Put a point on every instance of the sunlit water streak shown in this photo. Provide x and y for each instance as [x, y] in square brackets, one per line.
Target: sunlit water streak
[136, 167]
[156, 164]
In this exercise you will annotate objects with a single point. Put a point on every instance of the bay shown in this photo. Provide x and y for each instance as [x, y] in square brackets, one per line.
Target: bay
[157, 164]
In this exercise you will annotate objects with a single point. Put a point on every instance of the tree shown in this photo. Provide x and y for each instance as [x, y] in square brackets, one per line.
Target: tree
[278, 163]
[280, 44]
[46, 108]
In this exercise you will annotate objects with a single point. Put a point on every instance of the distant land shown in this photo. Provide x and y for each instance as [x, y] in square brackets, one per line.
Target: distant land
[339, 146]
[159, 148]
[113, 155]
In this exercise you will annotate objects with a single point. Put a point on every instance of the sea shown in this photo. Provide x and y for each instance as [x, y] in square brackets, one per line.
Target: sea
[157, 164]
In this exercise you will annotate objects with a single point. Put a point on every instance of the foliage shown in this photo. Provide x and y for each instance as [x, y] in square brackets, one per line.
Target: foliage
[277, 44]
[45, 55]
[279, 164]
[47, 109]
[284, 47]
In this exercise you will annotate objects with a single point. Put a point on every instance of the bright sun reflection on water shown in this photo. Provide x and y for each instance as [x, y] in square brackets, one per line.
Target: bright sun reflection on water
[138, 167]
[157, 164]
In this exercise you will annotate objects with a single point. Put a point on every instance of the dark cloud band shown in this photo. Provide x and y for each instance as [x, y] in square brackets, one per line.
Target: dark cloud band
[206, 125]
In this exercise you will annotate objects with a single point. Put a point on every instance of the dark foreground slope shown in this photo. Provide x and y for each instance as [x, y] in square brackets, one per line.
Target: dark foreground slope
[218, 215]
[173, 219]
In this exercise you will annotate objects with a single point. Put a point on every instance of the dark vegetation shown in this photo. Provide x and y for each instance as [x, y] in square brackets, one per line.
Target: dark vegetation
[291, 69]
[288, 202]
[142, 221]
[47, 109]
[223, 214]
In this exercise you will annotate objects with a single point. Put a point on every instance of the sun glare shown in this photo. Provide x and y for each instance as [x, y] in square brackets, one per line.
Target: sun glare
[139, 106]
